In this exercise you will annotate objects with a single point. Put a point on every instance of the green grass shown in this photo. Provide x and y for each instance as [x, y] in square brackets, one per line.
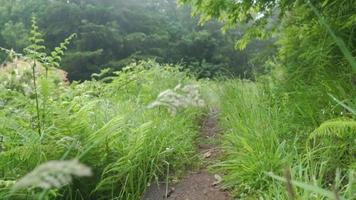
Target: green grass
[107, 126]
[260, 137]
[251, 142]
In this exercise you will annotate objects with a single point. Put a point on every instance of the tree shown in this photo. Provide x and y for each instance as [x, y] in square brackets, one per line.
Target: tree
[121, 31]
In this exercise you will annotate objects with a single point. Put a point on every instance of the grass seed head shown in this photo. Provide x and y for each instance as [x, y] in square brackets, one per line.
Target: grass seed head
[53, 174]
[179, 97]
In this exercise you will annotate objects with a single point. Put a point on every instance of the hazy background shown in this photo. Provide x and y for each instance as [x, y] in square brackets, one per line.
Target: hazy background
[113, 33]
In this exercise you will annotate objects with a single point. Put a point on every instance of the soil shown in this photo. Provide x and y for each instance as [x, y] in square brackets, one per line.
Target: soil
[197, 184]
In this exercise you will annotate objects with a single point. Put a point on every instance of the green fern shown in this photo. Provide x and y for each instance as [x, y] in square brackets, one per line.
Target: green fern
[35, 51]
[55, 56]
[340, 127]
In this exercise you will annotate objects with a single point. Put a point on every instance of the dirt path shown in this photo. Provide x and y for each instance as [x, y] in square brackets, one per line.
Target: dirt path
[199, 184]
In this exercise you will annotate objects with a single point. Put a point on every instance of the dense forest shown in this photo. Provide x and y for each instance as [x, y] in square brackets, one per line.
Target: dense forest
[186, 99]
[113, 33]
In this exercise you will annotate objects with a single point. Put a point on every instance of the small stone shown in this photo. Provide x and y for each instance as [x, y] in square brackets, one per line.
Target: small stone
[207, 154]
[218, 180]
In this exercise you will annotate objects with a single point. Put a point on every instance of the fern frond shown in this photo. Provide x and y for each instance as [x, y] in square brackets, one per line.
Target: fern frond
[36, 49]
[54, 58]
[339, 127]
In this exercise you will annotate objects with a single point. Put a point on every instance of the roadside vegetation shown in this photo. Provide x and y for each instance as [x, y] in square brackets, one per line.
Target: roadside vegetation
[287, 117]
[107, 126]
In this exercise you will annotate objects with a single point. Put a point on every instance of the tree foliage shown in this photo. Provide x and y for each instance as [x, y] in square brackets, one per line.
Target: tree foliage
[124, 31]
[315, 57]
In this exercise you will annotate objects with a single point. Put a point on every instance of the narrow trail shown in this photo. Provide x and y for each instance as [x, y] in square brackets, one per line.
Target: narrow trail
[198, 184]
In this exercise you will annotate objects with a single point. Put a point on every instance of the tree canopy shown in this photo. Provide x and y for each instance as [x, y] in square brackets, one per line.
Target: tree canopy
[113, 33]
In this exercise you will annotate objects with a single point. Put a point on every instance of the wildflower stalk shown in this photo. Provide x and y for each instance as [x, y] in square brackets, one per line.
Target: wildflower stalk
[36, 98]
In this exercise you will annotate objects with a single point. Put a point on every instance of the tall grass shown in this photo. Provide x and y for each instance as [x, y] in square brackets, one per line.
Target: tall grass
[107, 126]
[259, 139]
[287, 122]
[251, 141]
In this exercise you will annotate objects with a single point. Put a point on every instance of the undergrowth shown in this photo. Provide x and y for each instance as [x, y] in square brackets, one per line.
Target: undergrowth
[107, 126]
[260, 139]
[290, 134]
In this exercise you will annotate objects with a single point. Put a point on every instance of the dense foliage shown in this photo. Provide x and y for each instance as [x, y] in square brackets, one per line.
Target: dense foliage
[301, 116]
[108, 127]
[288, 134]
[113, 33]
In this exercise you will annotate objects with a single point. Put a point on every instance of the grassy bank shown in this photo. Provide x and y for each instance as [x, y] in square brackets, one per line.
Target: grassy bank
[262, 136]
[107, 126]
